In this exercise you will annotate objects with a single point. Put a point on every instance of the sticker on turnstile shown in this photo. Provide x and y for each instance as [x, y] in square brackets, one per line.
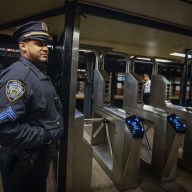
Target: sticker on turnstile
[134, 126]
[176, 123]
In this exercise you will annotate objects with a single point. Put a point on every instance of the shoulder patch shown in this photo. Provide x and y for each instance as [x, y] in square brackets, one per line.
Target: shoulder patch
[14, 90]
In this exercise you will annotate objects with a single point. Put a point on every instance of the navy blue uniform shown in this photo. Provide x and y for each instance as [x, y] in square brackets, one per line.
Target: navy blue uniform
[29, 117]
[29, 109]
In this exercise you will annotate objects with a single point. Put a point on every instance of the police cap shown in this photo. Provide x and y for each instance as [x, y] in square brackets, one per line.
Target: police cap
[37, 30]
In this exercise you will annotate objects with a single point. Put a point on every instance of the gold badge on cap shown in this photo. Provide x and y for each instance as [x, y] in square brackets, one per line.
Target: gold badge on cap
[44, 27]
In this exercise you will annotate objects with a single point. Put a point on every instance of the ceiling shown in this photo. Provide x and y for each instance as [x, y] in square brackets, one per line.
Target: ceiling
[117, 35]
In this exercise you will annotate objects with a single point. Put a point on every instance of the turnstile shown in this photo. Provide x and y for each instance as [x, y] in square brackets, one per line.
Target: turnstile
[116, 136]
[117, 147]
[164, 136]
[160, 97]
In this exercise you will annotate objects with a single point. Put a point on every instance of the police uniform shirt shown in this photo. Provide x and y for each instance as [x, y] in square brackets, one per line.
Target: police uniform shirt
[28, 114]
[147, 86]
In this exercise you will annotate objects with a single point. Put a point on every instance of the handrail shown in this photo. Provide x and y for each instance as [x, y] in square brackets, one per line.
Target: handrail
[96, 56]
[155, 67]
[102, 56]
[153, 60]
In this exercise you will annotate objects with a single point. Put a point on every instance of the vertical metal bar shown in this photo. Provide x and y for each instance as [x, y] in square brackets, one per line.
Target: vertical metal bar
[52, 72]
[51, 66]
[68, 86]
[87, 105]
[155, 66]
[190, 85]
[183, 85]
[132, 66]
[113, 86]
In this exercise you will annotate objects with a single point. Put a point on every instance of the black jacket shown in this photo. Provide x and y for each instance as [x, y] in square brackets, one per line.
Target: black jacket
[29, 107]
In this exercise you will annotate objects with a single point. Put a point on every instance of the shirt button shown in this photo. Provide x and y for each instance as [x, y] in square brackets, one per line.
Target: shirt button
[58, 123]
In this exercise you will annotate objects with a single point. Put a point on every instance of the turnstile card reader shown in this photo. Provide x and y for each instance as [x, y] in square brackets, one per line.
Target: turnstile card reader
[176, 123]
[135, 127]
[125, 134]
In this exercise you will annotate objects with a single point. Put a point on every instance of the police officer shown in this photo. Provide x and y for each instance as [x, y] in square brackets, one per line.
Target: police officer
[146, 88]
[30, 115]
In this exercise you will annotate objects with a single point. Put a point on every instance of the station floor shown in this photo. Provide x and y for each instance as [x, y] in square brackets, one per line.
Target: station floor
[100, 182]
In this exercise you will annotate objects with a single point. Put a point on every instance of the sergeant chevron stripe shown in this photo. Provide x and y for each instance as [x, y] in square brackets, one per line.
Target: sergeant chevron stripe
[8, 114]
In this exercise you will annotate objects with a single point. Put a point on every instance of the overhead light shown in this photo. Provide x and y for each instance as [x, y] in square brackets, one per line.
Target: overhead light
[148, 59]
[143, 58]
[85, 50]
[140, 58]
[179, 55]
[81, 70]
[163, 60]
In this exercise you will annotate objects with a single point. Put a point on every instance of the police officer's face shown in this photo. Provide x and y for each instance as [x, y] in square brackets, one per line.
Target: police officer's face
[34, 50]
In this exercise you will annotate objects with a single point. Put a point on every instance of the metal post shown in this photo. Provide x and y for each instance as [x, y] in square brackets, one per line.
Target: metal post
[87, 105]
[70, 54]
[51, 66]
[113, 85]
[52, 73]
[183, 84]
[190, 85]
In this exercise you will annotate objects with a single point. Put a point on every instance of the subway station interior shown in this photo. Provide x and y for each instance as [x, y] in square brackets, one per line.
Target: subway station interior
[98, 53]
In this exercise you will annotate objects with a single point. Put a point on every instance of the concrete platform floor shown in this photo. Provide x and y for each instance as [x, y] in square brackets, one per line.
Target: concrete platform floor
[100, 182]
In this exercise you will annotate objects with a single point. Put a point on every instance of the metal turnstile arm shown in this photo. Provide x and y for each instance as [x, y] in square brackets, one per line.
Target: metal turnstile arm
[104, 123]
[98, 130]
[108, 138]
[145, 138]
